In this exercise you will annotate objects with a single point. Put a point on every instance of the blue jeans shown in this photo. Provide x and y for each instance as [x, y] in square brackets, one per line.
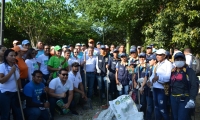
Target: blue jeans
[90, 77]
[124, 90]
[150, 107]
[178, 108]
[36, 114]
[102, 83]
[9, 100]
[160, 103]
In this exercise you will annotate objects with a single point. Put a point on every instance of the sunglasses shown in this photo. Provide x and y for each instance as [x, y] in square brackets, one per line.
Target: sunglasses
[64, 74]
[75, 52]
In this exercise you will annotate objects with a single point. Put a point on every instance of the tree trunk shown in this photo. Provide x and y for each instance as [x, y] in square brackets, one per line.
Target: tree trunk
[128, 37]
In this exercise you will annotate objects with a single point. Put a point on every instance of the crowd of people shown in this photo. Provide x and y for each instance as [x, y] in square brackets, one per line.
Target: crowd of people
[58, 79]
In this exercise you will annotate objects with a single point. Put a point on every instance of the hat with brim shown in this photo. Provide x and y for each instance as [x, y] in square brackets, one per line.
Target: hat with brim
[149, 47]
[24, 42]
[123, 55]
[152, 57]
[139, 47]
[15, 41]
[57, 48]
[133, 50]
[91, 40]
[115, 51]
[103, 47]
[142, 55]
[161, 51]
[179, 55]
[19, 48]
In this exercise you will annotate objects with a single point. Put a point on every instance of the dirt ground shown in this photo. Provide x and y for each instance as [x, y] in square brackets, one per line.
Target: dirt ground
[88, 114]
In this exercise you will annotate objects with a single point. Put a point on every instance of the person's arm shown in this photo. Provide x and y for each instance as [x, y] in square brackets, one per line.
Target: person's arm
[53, 94]
[192, 78]
[5, 78]
[97, 67]
[30, 103]
[70, 97]
[165, 77]
[29, 64]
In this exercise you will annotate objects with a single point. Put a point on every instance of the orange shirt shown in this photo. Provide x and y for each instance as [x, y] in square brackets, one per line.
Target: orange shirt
[22, 67]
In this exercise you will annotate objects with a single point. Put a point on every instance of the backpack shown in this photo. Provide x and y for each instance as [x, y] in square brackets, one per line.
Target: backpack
[195, 64]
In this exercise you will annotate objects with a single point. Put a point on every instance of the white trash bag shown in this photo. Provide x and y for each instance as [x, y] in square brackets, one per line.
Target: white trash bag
[125, 108]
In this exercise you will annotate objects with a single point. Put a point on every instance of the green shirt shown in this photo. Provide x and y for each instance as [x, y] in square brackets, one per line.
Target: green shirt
[55, 62]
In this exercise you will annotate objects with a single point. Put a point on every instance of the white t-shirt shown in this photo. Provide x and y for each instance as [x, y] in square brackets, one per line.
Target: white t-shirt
[32, 66]
[59, 88]
[75, 79]
[90, 63]
[10, 85]
[43, 60]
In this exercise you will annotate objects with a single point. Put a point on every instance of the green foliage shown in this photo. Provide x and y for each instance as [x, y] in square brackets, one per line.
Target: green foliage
[176, 25]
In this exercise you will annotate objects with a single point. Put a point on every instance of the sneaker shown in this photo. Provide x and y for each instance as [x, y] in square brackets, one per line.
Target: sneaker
[60, 103]
[74, 112]
[59, 112]
[65, 111]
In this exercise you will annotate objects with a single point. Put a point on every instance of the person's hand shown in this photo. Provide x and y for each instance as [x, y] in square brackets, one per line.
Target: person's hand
[62, 95]
[84, 62]
[135, 85]
[66, 106]
[149, 83]
[155, 78]
[46, 105]
[190, 104]
[63, 61]
[13, 69]
[117, 82]
[46, 89]
[141, 89]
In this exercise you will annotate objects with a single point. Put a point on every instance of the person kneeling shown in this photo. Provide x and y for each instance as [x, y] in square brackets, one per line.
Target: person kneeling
[61, 94]
[79, 94]
[36, 103]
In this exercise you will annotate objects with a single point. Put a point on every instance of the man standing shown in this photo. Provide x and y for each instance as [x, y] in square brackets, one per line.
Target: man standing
[112, 70]
[159, 78]
[75, 77]
[90, 71]
[101, 63]
[26, 44]
[36, 101]
[40, 48]
[57, 62]
[61, 93]
[15, 43]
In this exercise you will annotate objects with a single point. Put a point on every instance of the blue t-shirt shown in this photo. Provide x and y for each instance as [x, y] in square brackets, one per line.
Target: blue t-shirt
[40, 52]
[34, 91]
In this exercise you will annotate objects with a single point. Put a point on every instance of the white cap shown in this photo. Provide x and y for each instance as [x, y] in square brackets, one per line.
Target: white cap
[64, 46]
[161, 51]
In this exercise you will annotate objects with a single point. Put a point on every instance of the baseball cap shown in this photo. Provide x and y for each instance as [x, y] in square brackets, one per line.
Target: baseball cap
[75, 64]
[142, 55]
[152, 57]
[107, 47]
[161, 51]
[18, 48]
[149, 47]
[15, 41]
[64, 46]
[57, 48]
[115, 50]
[35, 48]
[179, 54]
[103, 47]
[123, 55]
[83, 44]
[24, 42]
[133, 47]
[98, 43]
[91, 40]
[139, 47]
[133, 50]
[78, 44]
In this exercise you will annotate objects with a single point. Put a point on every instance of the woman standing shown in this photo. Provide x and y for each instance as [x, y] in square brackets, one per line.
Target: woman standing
[31, 62]
[9, 72]
[183, 88]
[122, 74]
